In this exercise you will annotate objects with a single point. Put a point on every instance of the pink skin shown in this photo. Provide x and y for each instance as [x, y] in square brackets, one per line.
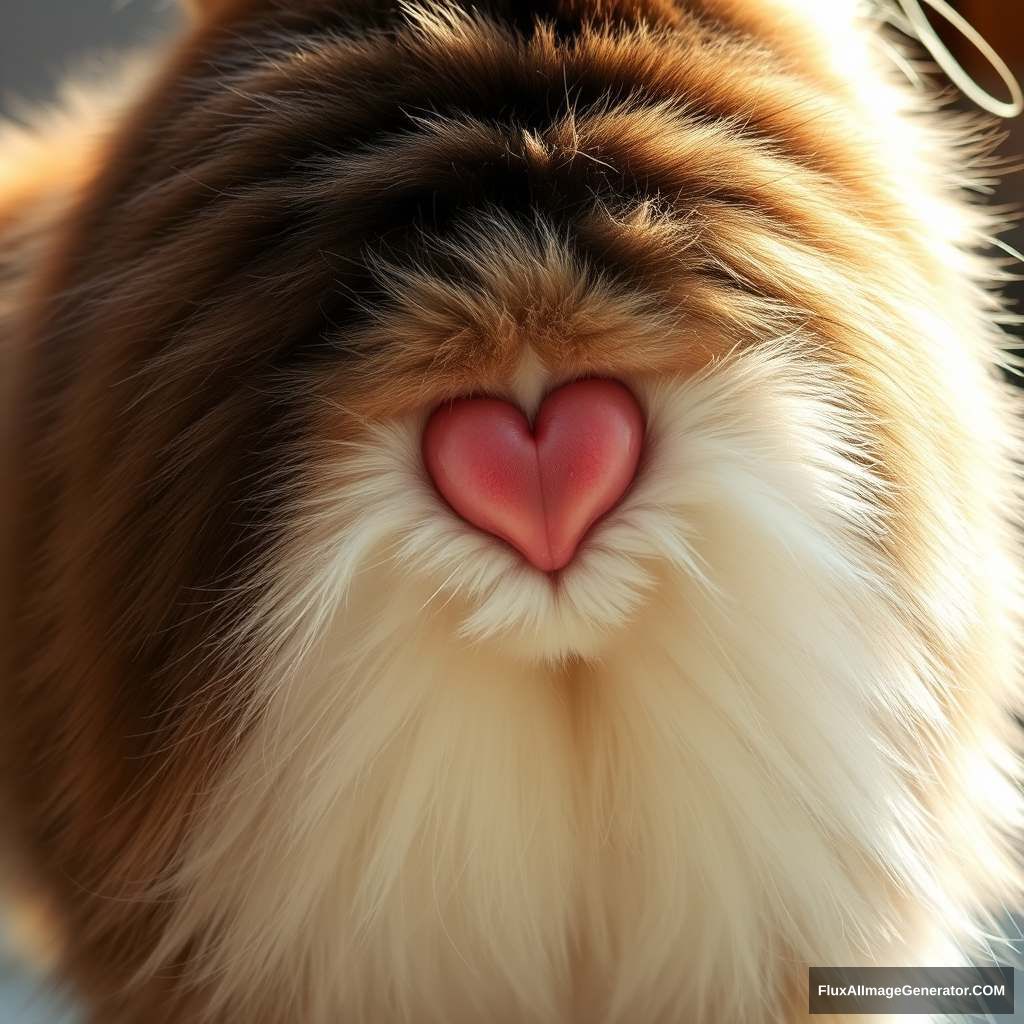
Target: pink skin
[541, 491]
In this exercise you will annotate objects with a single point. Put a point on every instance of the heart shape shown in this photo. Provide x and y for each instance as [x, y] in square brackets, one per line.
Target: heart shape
[540, 491]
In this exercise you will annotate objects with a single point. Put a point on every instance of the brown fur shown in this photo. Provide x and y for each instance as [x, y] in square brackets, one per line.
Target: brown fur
[257, 251]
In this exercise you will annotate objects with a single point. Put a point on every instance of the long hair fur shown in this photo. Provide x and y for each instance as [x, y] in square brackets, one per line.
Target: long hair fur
[283, 739]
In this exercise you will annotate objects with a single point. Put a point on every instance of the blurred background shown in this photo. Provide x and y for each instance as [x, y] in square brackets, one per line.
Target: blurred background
[41, 41]
[1001, 22]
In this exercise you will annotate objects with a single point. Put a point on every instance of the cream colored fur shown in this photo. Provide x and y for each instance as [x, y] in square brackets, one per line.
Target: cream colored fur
[445, 814]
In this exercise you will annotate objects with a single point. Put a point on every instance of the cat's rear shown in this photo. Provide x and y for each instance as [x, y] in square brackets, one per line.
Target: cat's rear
[298, 725]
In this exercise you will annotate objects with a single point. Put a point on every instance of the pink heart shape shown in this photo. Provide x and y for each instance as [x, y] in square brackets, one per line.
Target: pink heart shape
[540, 491]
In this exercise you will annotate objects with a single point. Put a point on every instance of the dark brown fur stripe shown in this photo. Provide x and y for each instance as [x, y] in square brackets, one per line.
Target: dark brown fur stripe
[288, 112]
[249, 200]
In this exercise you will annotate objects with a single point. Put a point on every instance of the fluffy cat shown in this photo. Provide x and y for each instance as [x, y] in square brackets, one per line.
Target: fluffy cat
[287, 740]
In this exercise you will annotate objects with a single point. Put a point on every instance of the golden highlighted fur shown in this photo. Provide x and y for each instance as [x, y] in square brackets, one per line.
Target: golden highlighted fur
[286, 741]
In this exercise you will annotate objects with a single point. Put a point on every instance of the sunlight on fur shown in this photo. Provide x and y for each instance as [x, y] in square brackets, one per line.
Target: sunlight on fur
[287, 740]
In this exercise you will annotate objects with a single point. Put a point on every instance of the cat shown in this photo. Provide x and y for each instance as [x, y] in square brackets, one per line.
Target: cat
[511, 516]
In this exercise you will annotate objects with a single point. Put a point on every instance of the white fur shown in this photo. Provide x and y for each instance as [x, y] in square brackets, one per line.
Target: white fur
[647, 793]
